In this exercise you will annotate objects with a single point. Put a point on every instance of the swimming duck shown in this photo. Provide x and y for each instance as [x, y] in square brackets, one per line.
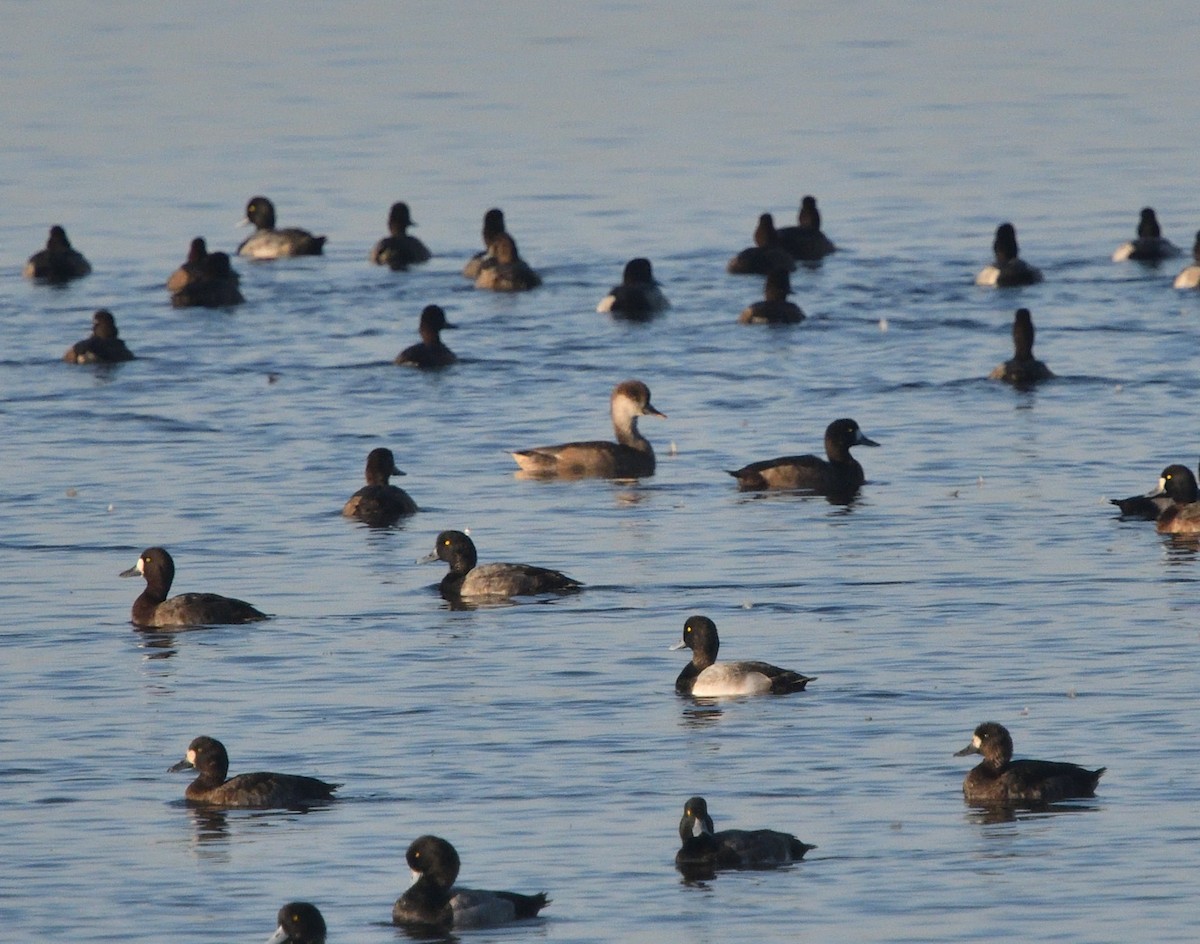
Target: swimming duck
[631, 456]
[638, 297]
[192, 269]
[431, 352]
[379, 503]
[705, 677]
[1148, 506]
[152, 609]
[399, 250]
[205, 280]
[508, 271]
[1190, 276]
[1182, 516]
[491, 581]
[434, 901]
[58, 262]
[1149, 246]
[775, 307]
[299, 923]
[262, 791]
[805, 241]
[271, 243]
[705, 849]
[1008, 269]
[103, 347]
[1000, 779]
[840, 476]
[1024, 369]
[765, 256]
[493, 226]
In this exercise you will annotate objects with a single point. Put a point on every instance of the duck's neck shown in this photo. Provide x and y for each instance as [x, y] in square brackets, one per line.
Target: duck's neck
[625, 426]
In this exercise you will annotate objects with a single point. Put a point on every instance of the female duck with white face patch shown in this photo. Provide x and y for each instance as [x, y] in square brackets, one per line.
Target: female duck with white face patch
[705, 677]
[630, 457]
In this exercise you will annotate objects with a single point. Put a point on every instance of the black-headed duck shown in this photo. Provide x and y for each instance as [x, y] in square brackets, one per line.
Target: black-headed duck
[207, 756]
[152, 609]
[1001, 780]
[499, 581]
[103, 347]
[508, 271]
[434, 902]
[1007, 269]
[267, 242]
[705, 850]
[705, 677]
[379, 503]
[631, 456]
[1182, 515]
[1190, 276]
[1149, 245]
[775, 307]
[639, 296]
[805, 241]
[58, 262]
[839, 476]
[765, 256]
[431, 352]
[493, 226]
[399, 250]
[1023, 369]
[299, 922]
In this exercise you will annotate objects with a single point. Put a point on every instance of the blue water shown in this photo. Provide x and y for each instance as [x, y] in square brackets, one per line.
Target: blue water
[981, 575]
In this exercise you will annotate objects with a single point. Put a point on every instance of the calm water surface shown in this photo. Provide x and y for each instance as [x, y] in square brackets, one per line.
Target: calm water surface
[980, 576]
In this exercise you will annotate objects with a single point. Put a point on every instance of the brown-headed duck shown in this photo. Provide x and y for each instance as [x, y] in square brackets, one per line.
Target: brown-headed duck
[631, 456]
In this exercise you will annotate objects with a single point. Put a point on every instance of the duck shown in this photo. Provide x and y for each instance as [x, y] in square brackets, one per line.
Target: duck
[509, 272]
[840, 476]
[219, 288]
[1190, 276]
[399, 250]
[1182, 515]
[1148, 506]
[1008, 269]
[493, 226]
[705, 677]
[431, 352]
[1001, 780]
[775, 307]
[639, 296]
[205, 280]
[434, 901]
[765, 256]
[708, 850]
[379, 503]
[153, 610]
[58, 262]
[267, 242]
[299, 922]
[631, 456]
[103, 347]
[192, 269]
[1149, 246]
[262, 791]
[805, 241]
[490, 581]
[1024, 369]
